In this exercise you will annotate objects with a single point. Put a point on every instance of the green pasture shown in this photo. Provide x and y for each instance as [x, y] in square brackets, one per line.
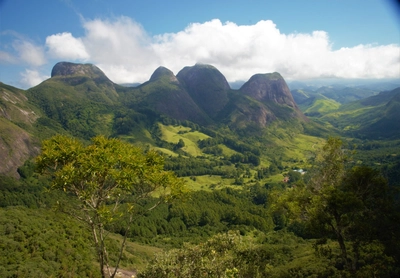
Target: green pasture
[173, 134]
[207, 182]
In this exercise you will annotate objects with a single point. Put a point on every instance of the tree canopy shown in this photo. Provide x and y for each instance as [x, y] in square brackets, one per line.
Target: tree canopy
[102, 175]
[349, 204]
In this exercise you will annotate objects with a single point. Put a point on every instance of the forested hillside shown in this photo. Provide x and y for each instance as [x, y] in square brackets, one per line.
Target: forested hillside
[192, 178]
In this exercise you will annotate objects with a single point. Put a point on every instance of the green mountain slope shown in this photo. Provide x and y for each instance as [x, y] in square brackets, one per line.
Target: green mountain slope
[318, 105]
[165, 94]
[78, 97]
[388, 124]
[374, 117]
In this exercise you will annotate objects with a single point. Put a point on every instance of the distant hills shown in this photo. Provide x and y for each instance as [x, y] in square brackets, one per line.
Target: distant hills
[374, 116]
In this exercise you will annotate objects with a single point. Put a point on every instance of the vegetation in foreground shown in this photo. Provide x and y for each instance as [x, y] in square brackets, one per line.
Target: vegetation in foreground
[336, 221]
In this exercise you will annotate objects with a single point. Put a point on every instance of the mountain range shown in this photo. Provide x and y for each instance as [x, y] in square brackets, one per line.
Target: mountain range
[80, 100]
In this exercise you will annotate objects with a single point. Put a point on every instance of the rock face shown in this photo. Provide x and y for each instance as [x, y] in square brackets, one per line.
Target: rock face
[16, 144]
[15, 148]
[272, 90]
[201, 94]
[207, 87]
[86, 75]
[270, 87]
[162, 72]
[68, 69]
[165, 94]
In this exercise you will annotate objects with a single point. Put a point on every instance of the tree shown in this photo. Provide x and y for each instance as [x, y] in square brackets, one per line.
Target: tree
[351, 205]
[180, 144]
[103, 175]
[294, 176]
[325, 197]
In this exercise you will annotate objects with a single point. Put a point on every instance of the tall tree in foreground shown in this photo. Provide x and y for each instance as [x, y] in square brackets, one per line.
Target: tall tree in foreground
[102, 176]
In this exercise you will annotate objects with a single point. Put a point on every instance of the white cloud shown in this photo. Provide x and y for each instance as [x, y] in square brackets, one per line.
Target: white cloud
[126, 53]
[7, 58]
[121, 48]
[65, 46]
[32, 78]
[241, 51]
[29, 53]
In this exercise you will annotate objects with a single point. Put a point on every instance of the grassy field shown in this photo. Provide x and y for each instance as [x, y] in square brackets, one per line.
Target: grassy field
[292, 150]
[321, 106]
[208, 182]
[139, 137]
[173, 134]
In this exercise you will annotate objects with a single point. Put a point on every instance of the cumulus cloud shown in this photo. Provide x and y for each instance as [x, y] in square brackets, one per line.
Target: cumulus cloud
[127, 53]
[29, 53]
[7, 58]
[241, 51]
[30, 78]
[65, 46]
[238, 51]
[121, 48]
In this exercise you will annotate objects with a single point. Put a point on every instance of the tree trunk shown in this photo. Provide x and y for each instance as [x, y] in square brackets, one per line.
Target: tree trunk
[339, 235]
[98, 247]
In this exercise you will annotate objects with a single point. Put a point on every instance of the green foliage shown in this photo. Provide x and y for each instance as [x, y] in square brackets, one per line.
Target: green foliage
[189, 166]
[102, 175]
[374, 117]
[28, 192]
[294, 176]
[231, 255]
[349, 210]
[318, 106]
[203, 214]
[80, 106]
[42, 243]
[351, 206]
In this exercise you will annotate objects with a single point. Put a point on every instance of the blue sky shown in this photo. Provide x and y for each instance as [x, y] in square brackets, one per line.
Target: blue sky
[129, 39]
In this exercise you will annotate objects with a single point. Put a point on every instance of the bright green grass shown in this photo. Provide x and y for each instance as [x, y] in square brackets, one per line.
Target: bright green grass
[323, 106]
[166, 151]
[170, 133]
[191, 148]
[293, 149]
[226, 151]
[141, 138]
[173, 134]
[207, 182]
[275, 178]
[195, 136]
[304, 146]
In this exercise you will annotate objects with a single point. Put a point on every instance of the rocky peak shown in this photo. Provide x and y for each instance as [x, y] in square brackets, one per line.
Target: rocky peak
[269, 87]
[72, 69]
[162, 72]
[207, 86]
[204, 72]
